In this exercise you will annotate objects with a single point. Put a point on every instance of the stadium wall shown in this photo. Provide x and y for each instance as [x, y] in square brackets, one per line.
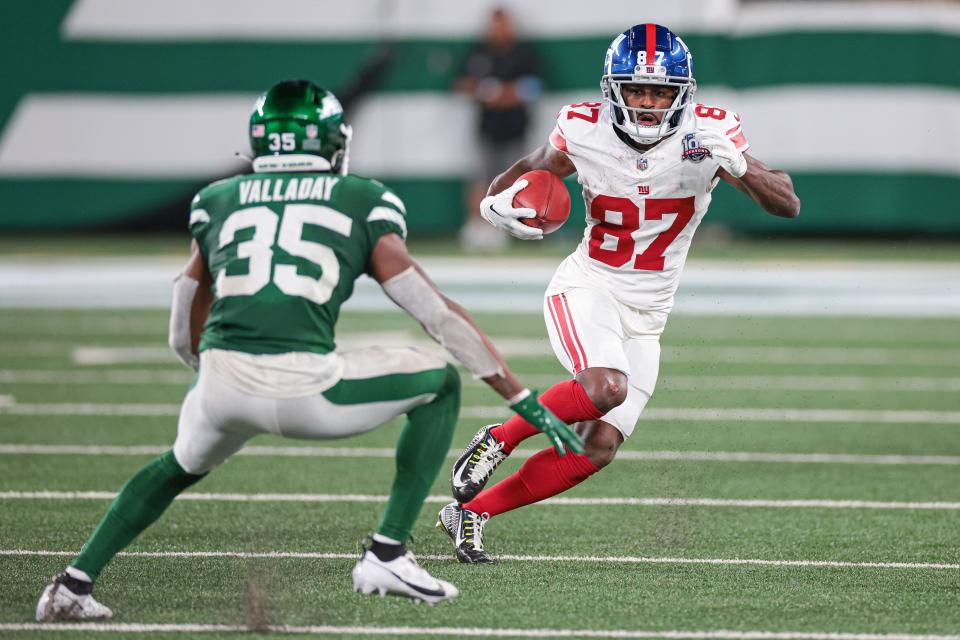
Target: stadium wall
[112, 108]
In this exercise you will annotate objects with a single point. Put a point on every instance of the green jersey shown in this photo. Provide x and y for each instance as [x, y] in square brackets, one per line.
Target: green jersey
[284, 250]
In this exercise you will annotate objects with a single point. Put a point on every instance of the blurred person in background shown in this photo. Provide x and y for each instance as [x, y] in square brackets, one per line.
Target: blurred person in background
[500, 75]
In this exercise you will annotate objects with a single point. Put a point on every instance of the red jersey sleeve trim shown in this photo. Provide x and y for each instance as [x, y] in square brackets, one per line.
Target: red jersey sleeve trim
[558, 141]
[740, 141]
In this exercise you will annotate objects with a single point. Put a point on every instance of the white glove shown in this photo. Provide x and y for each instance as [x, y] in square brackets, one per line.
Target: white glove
[723, 151]
[499, 211]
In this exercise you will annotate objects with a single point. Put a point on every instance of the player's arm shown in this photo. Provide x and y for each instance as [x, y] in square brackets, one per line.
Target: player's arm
[449, 324]
[772, 189]
[546, 157]
[192, 298]
[497, 208]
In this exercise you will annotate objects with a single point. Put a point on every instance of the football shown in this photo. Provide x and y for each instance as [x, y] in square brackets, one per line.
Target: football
[546, 194]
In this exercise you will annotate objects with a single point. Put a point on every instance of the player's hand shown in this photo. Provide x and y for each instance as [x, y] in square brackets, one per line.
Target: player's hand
[723, 151]
[532, 410]
[499, 211]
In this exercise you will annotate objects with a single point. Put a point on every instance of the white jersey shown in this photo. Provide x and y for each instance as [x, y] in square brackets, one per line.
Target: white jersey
[642, 208]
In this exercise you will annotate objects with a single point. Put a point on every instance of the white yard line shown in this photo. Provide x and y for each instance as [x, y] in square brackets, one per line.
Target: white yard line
[181, 377]
[101, 627]
[609, 502]
[813, 355]
[742, 414]
[747, 414]
[386, 452]
[532, 347]
[808, 383]
[318, 555]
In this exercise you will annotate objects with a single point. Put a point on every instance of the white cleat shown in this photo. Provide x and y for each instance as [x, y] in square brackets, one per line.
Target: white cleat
[67, 598]
[401, 576]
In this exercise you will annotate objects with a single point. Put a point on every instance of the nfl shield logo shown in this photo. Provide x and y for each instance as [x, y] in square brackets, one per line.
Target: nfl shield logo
[642, 164]
[258, 131]
[312, 131]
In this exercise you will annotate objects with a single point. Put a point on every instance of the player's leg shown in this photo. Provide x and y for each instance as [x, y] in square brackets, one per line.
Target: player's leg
[585, 333]
[546, 473]
[379, 384]
[206, 436]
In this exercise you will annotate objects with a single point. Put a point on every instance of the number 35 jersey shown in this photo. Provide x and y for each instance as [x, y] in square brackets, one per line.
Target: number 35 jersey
[284, 250]
[642, 208]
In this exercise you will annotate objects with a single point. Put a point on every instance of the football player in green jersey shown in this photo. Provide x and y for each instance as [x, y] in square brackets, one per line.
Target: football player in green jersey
[275, 254]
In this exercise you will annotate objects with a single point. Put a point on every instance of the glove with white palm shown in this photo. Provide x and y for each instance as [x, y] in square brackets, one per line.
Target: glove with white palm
[499, 211]
[723, 151]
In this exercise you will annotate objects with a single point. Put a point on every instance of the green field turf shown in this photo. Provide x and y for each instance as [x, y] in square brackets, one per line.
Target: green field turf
[892, 385]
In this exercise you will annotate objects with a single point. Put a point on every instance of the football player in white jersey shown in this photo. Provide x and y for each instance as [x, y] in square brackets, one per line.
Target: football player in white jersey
[647, 157]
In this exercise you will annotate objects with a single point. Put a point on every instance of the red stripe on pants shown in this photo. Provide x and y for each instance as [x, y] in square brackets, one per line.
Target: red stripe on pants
[565, 334]
[573, 328]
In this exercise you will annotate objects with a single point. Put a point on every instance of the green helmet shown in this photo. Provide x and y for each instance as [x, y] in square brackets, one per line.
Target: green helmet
[297, 125]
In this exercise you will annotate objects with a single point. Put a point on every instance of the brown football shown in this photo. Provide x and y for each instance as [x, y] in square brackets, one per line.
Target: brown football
[546, 194]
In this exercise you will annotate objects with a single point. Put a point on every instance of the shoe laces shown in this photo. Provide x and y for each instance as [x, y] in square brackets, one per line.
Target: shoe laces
[473, 528]
[486, 461]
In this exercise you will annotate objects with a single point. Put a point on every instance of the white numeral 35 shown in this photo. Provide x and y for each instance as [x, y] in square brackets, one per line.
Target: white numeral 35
[259, 251]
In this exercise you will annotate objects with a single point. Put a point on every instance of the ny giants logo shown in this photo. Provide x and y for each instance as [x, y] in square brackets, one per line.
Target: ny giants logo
[692, 150]
[643, 189]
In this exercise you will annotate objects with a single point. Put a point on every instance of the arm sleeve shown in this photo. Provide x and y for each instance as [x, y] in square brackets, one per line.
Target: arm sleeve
[412, 293]
[179, 337]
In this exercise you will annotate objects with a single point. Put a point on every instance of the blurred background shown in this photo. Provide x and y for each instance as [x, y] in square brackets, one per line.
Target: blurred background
[114, 112]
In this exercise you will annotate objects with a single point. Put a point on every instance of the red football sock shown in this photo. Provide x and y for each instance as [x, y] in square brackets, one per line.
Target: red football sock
[545, 474]
[568, 401]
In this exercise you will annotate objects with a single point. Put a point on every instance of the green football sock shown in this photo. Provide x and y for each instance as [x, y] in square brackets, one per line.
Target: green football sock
[138, 505]
[421, 451]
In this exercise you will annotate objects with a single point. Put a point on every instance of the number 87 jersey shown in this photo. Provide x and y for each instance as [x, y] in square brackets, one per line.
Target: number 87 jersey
[642, 208]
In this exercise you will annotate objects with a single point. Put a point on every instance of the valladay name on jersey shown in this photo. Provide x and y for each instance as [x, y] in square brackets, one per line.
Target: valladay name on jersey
[286, 189]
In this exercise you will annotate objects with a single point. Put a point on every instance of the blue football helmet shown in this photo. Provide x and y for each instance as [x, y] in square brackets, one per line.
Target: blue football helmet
[648, 54]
